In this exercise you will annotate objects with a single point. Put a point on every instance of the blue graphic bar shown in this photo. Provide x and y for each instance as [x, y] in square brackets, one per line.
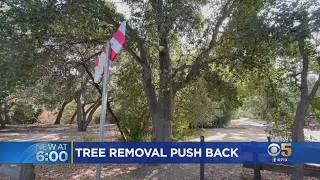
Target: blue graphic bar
[196, 152]
[35, 153]
[158, 153]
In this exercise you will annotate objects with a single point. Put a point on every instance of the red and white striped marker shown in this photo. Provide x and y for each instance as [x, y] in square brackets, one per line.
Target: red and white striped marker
[117, 42]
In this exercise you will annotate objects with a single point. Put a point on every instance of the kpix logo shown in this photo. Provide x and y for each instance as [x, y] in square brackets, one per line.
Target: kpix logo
[274, 150]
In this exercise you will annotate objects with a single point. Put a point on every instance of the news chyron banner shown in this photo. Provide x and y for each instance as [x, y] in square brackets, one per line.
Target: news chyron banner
[35, 152]
[158, 153]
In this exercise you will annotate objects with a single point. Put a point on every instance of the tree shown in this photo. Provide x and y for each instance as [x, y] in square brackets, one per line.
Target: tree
[293, 27]
[2, 122]
[159, 24]
[43, 31]
[17, 62]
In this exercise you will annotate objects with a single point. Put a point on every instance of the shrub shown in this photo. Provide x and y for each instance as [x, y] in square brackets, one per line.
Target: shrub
[236, 113]
[25, 113]
[226, 118]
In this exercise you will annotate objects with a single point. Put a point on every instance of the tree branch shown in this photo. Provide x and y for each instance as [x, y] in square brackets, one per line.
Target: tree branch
[198, 64]
[94, 103]
[83, 63]
[195, 71]
[314, 89]
[181, 68]
[92, 56]
[305, 68]
[134, 55]
[91, 77]
[225, 13]
[316, 85]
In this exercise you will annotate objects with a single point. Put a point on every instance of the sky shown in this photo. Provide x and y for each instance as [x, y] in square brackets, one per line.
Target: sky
[125, 9]
[122, 7]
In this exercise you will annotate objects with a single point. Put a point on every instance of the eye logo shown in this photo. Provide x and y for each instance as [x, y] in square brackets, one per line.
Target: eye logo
[274, 149]
[285, 149]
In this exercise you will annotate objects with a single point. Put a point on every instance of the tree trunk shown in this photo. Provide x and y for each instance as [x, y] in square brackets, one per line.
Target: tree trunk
[162, 124]
[90, 115]
[298, 135]
[298, 124]
[162, 131]
[297, 129]
[58, 119]
[80, 120]
[89, 109]
[2, 121]
[161, 110]
[7, 115]
[83, 112]
[73, 116]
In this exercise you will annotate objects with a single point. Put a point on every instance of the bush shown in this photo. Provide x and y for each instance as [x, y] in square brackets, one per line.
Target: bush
[136, 127]
[25, 113]
[224, 120]
[236, 113]
[180, 133]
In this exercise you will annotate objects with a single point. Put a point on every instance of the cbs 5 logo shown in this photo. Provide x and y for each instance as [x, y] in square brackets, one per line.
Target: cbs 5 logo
[285, 149]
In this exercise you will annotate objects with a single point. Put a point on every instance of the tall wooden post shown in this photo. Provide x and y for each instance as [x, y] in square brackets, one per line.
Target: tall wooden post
[256, 167]
[202, 164]
[27, 172]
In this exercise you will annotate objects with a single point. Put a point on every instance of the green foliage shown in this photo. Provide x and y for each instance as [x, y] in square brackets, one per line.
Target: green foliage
[225, 118]
[194, 105]
[236, 114]
[255, 107]
[25, 113]
[212, 100]
[315, 109]
[130, 101]
[275, 101]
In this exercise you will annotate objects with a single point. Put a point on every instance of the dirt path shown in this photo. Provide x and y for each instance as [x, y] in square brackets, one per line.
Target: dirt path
[238, 131]
[41, 132]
